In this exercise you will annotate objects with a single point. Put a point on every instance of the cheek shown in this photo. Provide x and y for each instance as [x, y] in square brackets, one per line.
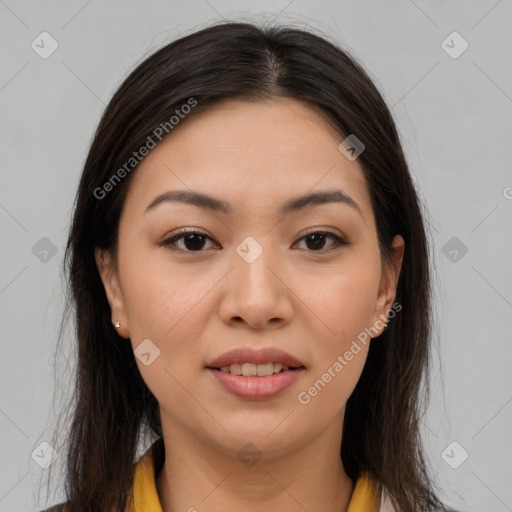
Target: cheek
[328, 389]
[343, 299]
[160, 298]
[345, 304]
[341, 352]
[165, 314]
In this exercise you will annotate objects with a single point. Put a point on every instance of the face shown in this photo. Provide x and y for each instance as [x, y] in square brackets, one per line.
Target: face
[307, 281]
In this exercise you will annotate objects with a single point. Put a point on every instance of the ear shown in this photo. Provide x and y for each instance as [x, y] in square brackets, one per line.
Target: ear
[110, 279]
[388, 283]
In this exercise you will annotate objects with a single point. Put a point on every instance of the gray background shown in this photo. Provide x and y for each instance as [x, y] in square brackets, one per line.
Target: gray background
[454, 116]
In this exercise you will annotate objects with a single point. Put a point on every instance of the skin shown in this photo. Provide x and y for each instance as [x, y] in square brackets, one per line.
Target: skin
[308, 300]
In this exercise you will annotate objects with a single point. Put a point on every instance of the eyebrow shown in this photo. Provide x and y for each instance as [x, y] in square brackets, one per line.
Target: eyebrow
[217, 205]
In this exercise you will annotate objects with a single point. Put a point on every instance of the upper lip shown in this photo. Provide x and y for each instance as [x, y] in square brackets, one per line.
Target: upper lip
[255, 356]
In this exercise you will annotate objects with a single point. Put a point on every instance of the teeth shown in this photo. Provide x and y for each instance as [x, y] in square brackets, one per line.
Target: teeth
[252, 370]
[278, 367]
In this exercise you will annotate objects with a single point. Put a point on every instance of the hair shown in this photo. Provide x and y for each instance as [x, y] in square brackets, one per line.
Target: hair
[111, 403]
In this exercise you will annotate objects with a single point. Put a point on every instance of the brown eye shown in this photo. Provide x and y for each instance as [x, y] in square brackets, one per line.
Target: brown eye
[193, 241]
[316, 241]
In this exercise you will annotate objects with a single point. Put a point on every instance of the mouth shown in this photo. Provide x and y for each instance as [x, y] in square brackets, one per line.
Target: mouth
[256, 374]
[255, 382]
[256, 370]
[249, 361]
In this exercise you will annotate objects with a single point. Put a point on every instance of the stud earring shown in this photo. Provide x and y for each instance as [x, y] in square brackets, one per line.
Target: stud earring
[121, 331]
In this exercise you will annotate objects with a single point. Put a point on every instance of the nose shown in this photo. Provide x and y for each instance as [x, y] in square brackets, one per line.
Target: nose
[256, 291]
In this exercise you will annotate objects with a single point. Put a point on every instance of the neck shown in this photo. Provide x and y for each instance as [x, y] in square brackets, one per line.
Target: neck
[197, 476]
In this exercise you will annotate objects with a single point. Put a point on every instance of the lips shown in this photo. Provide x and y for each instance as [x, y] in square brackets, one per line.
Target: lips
[256, 388]
[255, 356]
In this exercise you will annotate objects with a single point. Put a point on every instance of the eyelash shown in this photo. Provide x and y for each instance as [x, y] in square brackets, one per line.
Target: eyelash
[168, 243]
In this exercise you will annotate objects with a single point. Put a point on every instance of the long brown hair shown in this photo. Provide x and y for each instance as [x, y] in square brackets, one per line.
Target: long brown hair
[111, 407]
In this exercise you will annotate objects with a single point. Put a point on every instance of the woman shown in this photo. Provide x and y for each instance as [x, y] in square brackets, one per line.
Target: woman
[249, 265]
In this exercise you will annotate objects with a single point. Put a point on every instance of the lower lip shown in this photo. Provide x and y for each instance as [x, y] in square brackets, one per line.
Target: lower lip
[257, 388]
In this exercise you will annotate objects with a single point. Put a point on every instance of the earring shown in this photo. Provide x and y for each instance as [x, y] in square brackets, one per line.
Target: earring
[121, 331]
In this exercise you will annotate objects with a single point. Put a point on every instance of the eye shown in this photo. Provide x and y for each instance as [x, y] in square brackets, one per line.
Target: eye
[315, 241]
[194, 241]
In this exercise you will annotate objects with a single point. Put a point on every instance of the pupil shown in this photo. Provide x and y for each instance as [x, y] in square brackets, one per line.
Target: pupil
[189, 241]
[316, 237]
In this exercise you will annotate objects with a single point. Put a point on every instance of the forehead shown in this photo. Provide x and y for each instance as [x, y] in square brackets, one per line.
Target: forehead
[249, 152]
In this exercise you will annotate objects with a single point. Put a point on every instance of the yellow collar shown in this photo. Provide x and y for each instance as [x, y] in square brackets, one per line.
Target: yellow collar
[144, 496]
